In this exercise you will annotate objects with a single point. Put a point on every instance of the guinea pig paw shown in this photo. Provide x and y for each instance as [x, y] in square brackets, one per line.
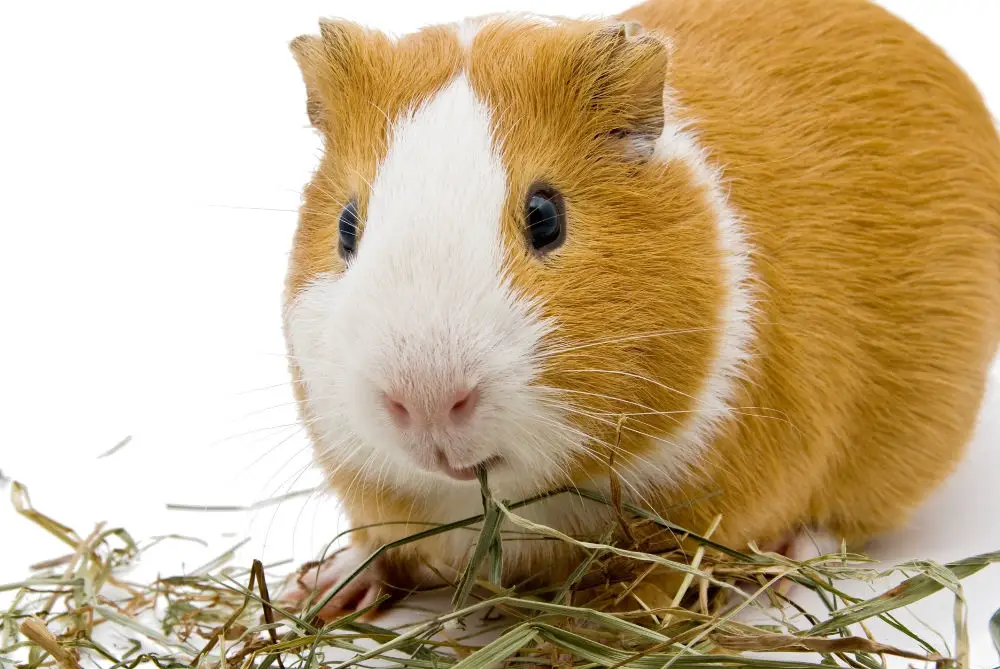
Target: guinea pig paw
[803, 546]
[809, 545]
[316, 579]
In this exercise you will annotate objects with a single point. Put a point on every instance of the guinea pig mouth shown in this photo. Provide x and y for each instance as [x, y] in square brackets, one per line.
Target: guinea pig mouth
[465, 473]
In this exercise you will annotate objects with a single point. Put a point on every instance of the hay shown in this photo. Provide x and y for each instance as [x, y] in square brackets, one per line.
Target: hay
[221, 615]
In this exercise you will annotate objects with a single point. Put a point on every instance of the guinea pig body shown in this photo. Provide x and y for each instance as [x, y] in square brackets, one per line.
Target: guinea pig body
[749, 249]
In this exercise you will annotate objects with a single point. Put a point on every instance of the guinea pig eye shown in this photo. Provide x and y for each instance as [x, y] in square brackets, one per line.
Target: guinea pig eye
[348, 230]
[544, 219]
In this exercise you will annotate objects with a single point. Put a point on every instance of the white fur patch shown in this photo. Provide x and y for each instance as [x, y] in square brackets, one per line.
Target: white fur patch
[468, 29]
[713, 405]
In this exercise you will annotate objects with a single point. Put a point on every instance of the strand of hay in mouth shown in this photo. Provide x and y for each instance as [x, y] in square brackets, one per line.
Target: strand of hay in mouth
[221, 616]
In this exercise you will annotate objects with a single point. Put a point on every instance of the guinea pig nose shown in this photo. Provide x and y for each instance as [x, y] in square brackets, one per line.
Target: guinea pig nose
[463, 405]
[439, 410]
[397, 409]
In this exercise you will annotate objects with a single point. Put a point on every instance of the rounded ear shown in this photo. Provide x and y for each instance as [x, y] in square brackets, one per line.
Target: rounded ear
[324, 63]
[304, 49]
[629, 69]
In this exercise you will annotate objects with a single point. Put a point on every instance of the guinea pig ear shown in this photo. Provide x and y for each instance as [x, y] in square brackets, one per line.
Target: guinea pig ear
[305, 49]
[627, 88]
[324, 63]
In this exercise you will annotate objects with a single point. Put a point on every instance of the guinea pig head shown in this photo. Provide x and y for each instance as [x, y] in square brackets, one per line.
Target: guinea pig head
[497, 264]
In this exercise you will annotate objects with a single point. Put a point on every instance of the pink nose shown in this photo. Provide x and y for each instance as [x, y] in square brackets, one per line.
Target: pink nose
[454, 408]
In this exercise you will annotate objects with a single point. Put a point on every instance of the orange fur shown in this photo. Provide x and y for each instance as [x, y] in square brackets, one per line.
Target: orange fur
[866, 171]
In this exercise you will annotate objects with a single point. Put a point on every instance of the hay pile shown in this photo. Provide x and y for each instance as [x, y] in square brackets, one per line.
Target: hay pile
[222, 615]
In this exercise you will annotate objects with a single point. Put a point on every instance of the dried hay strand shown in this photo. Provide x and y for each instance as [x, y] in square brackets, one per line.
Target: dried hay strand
[222, 616]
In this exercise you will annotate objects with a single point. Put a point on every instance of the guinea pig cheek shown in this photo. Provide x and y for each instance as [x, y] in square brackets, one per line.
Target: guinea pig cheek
[318, 346]
[335, 351]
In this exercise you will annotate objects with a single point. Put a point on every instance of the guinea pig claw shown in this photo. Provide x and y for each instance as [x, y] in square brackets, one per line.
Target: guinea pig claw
[316, 579]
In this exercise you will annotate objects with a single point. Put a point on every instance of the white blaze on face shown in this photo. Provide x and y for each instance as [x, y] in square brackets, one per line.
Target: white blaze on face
[425, 306]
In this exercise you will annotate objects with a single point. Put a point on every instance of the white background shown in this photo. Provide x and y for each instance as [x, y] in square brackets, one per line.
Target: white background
[151, 157]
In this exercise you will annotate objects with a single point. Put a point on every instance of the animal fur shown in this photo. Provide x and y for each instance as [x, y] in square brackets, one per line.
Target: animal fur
[782, 256]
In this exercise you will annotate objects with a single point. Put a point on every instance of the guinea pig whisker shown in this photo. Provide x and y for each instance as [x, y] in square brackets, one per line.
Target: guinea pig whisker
[262, 388]
[367, 183]
[510, 131]
[597, 395]
[563, 472]
[676, 411]
[249, 208]
[630, 414]
[585, 449]
[730, 411]
[282, 405]
[302, 358]
[597, 417]
[630, 375]
[378, 484]
[625, 426]
[624, 453]
[266, 489]
[579, 432]
[312, 398]
[650, 411]
[627, 338]
[343, 460]
[258, 430]
[617, 449]
[271, 449]
[288, 488]
[735, 411]
[332, 213]
[382, 111]
[628, 456]
[298, 518]
[603, 417]
[300, 210]
[600, 459]
[323, 440]
[360, 475]
[333, 198]
[562, 428]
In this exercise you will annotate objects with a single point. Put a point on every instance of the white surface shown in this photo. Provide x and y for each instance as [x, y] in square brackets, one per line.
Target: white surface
[140, 292]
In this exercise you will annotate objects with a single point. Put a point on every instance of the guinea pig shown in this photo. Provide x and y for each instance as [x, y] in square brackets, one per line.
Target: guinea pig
[744, 254]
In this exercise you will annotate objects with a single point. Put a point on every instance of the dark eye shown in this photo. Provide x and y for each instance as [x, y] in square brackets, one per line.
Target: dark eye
[544, 219]
[348, 230]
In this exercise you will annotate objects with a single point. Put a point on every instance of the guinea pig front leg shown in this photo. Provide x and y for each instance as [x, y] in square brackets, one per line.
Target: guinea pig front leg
[380, 577]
